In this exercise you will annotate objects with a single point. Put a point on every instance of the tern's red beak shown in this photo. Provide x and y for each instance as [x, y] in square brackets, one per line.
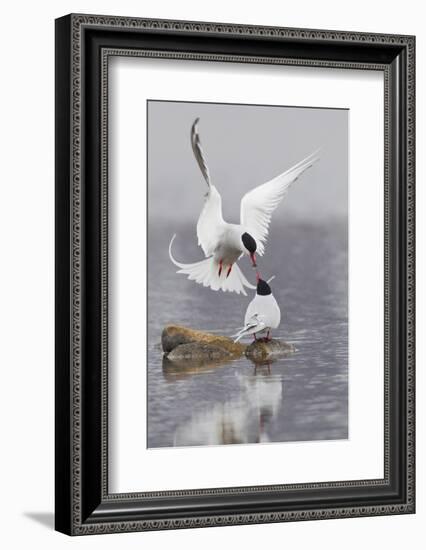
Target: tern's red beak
[253, 259]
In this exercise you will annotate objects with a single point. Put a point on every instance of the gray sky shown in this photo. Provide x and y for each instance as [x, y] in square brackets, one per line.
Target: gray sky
[245, 146]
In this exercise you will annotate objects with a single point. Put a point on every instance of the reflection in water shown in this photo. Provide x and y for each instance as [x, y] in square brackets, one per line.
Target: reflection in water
[185, 368]
[241, 420]
[301, 397]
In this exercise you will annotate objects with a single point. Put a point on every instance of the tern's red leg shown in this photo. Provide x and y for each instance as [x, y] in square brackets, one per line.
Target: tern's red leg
[254, 336]
[229, 271]
[267, 336]
[220, 267]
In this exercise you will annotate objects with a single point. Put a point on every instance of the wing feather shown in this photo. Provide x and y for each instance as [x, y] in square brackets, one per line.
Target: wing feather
[206, 273]
[210, 223]
[258, 204]
[198, 151]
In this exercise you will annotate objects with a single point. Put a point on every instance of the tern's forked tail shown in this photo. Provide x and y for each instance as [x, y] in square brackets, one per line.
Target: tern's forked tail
[206, 273]
[252, 327]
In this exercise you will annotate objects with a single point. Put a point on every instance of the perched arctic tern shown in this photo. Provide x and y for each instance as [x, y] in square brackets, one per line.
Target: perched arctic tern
[263, 313]
[224, 243]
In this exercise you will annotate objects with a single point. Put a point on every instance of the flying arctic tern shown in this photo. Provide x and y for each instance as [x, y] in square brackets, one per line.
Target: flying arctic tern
[263, 312]
[225, 243]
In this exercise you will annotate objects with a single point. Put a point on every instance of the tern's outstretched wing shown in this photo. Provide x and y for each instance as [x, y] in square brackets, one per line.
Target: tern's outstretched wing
[210, 223]
[258, 204]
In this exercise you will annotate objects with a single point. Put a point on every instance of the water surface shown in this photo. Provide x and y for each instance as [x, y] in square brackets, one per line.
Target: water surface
[301, 397]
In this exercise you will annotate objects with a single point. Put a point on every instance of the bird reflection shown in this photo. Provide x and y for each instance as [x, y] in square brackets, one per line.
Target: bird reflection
[242, 420]
[262, 367]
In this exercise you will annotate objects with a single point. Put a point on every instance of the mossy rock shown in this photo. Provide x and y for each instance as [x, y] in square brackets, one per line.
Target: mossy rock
[209, 344]
[185, 345]
[197, 351]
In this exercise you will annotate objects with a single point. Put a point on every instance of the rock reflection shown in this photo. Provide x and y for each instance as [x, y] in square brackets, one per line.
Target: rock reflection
[179, 370]
[245, 419]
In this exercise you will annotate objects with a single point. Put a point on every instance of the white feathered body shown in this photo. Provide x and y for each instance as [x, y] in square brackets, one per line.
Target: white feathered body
[263, 313]
[229, 246]
[215, 236]
[222, 245]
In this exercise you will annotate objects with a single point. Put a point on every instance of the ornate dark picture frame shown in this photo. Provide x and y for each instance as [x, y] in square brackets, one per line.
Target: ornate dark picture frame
[84, 44]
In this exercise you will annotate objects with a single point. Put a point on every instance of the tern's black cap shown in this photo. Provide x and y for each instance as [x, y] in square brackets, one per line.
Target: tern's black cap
[263, 289]
[249, 242]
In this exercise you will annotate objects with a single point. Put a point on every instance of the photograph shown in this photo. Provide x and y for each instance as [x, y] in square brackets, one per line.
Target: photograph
[247, 261]
[234, 273]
